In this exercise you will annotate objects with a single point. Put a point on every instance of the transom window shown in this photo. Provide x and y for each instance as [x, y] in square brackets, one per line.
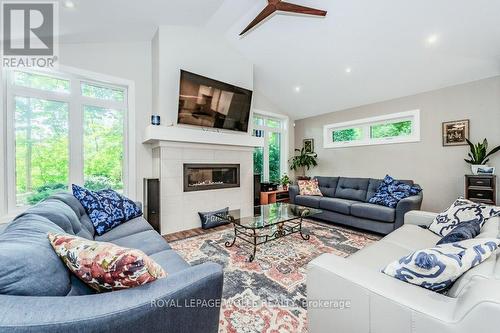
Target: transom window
[63, 129]
[270, 160]
[392, 128]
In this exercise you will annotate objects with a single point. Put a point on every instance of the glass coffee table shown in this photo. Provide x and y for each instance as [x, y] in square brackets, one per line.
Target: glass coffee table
[269, 222]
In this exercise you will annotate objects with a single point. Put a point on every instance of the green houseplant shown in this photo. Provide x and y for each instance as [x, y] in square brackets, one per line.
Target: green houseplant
[303, 160]
[478, 155]
[285, 181]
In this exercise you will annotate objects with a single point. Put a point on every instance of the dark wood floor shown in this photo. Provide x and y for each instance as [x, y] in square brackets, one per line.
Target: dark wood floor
[192, 232]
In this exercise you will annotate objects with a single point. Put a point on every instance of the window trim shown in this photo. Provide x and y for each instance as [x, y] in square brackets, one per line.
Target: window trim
[284, 153]
[75, 118]
[366, 123]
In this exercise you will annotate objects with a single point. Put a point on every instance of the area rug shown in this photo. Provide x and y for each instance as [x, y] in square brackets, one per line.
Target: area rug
[268, 294]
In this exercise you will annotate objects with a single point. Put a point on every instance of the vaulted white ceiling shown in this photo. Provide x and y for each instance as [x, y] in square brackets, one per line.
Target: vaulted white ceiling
[384, 43]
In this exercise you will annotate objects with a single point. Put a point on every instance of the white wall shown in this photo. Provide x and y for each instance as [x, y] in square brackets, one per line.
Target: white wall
[197, 51]
[440, 170]
[131, 61]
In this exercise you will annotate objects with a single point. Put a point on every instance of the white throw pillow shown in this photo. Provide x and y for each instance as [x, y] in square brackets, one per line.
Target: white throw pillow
[462, 210]
[438, 267]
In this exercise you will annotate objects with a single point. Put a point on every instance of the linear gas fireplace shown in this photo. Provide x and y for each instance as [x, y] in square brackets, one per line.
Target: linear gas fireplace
[200, 177]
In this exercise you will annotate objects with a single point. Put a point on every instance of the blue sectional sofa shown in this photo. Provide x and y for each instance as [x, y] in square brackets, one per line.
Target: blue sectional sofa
[39, 294]
[345, 201]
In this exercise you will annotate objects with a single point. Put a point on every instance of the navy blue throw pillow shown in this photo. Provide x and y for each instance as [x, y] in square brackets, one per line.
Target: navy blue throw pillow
[212, 219]
[391, 191]
[106, 208]
[463, 231]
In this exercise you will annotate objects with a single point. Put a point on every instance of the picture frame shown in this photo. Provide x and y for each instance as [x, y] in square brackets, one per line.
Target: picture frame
[456, 132]
[308, 145]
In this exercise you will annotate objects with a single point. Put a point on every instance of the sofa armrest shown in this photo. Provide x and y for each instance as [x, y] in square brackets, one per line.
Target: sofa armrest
[367, 296]
[405, 205]
[187, 301]
[416, 217]
[293, 191]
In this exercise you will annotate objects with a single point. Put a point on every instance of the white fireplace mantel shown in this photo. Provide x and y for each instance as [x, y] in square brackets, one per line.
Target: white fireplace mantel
[155, 134]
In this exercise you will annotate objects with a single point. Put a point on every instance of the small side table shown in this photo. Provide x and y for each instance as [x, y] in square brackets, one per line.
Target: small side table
[481, 188]
[267, 198]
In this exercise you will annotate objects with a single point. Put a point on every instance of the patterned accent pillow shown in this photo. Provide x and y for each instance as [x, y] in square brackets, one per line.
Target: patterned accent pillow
[462, 210]
[463, 231]
[392, 191]
[213, 219]
[309, 187]
[105, 266]
[437, 268]
[106, 208]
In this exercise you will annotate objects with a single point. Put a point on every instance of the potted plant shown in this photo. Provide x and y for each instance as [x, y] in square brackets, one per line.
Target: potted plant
[478, 155]
[285, 181]
[303, 160]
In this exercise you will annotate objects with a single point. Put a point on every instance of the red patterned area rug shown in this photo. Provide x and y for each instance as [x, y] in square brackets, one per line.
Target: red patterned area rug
[269, 294]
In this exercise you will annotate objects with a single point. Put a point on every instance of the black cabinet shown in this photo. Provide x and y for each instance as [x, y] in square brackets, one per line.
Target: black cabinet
[152, 202]
[481, 188]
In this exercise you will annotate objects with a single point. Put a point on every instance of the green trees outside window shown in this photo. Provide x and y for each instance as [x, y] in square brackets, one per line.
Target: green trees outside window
[401, 128]
[349, 134]
[42, 135]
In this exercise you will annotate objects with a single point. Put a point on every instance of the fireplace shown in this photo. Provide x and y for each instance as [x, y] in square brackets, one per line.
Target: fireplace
[201, 177]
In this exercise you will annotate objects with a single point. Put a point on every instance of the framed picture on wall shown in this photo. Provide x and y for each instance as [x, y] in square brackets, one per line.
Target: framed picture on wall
[455, 132]
[309, 145]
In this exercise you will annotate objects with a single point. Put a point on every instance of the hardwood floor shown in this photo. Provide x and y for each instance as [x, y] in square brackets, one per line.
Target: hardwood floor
[193, 232]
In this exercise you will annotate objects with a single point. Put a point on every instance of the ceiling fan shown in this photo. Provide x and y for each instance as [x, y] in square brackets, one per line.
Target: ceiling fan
[281, 6]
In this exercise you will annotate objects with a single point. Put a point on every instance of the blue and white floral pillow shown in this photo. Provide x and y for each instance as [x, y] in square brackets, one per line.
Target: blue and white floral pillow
[438, 267]
[462, 210]
[392, 191]
[106, 208]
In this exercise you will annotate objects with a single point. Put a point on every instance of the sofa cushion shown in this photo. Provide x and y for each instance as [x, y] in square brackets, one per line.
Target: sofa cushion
[148, 242]
[105, 266]
[412, 238]
[463, 231]
[170, 260]
[308, 201]
[134, 226]
[328, 185]
[376, 255]
[309, 187]
[462, 210]
[106, 208]
[337, 205]
[352, 188]
[391, 191]
[373, 212]
[438, 267]
[62, 215]
[29, 266]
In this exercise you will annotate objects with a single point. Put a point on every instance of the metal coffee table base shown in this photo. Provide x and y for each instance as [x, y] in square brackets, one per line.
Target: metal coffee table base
[261, 236]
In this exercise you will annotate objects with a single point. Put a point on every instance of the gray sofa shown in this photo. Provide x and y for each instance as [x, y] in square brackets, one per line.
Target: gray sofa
[39, 294]
[345, 201]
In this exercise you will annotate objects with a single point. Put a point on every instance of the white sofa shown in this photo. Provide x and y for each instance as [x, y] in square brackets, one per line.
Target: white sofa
[351, 295]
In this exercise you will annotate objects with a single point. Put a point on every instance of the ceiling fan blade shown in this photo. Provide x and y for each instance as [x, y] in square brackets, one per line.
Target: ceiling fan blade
[293, 8]
[266, 12]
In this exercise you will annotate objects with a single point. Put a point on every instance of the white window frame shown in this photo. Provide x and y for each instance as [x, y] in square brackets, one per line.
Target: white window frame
[365, 125]
[283, 131]
[75, 102]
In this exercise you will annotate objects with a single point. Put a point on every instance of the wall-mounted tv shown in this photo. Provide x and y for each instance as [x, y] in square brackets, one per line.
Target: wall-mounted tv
[210, 103]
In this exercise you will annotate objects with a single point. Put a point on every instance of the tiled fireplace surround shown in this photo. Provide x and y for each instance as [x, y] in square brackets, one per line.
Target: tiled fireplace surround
[179, 209]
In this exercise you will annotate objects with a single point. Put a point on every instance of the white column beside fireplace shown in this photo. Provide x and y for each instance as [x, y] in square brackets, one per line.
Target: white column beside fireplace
[179, 209]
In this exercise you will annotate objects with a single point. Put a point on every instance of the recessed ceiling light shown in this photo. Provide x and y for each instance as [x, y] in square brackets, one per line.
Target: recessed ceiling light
[432, 39]
[69, 4]
[348, 70]
[297, 89]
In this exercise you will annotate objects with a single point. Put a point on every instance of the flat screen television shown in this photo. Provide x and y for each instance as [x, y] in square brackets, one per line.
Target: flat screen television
[210, 103]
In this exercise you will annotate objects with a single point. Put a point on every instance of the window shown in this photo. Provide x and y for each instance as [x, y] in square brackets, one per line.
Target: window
[270, 161]
[65, 129]
[392, 128]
